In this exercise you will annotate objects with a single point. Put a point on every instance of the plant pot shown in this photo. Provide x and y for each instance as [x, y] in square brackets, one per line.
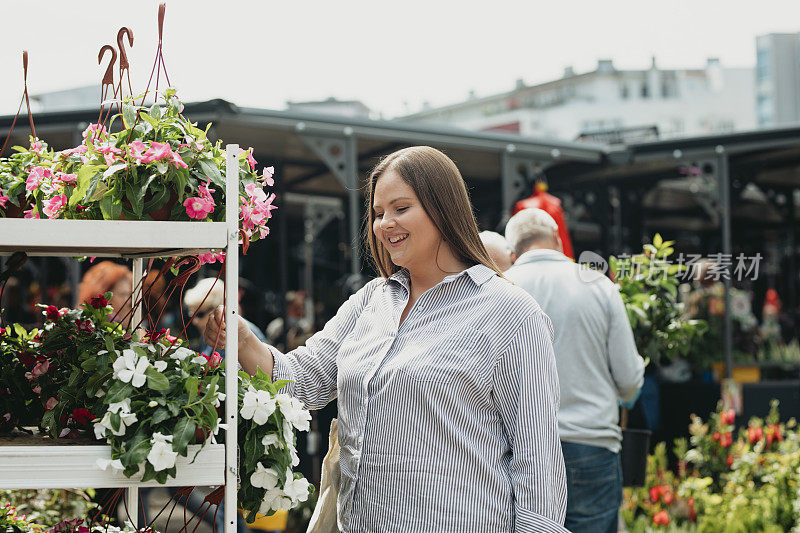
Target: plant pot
[635, 447]
[12, 211]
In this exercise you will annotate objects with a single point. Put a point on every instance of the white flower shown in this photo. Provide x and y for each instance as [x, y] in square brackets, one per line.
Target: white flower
[160, 365]
[199, 360]
[130, 367]
[216, 430]
[296, 489]
[126, 418]
[274, 500]
[104, 464]
[265, 478]
[161, 455]
[258, 405]
[220, 397]
[181, 353]
[158, 437]
[292, 409]
[271, 439]
[152, 403]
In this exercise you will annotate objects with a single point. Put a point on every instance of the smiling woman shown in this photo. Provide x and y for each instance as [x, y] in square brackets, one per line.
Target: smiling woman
[444, 372]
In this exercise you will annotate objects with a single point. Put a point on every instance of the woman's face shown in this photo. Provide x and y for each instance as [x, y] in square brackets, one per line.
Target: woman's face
[402, 225]
[120, 299]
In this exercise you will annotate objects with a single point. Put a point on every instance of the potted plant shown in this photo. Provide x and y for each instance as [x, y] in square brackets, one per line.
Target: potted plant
[648, 284]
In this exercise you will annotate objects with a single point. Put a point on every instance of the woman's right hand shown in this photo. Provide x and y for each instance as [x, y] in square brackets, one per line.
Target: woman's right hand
[214, 333]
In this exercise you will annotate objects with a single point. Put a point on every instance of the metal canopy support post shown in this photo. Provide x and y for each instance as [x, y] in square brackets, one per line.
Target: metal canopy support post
[341, 157]
[723, 181]
[793, 258]
[518, 172]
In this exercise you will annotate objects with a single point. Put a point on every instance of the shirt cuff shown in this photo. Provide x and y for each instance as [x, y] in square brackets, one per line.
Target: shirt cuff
[530, 521]
[281, 368]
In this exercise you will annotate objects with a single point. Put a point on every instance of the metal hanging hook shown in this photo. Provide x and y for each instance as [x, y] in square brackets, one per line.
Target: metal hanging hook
[108, 78]
[124, 64]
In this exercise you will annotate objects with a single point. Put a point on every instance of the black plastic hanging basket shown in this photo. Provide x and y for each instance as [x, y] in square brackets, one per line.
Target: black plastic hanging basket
[635, 447]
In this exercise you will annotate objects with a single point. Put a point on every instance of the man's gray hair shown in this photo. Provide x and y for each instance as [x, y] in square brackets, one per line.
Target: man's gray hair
[529, 226]
[493, 238]
[212, 287]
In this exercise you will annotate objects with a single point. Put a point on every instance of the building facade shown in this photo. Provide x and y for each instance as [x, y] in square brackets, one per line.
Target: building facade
[608, 103]
[778, 79]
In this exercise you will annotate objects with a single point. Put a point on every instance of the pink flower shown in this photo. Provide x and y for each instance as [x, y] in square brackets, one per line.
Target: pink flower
[3, 198]
[157, 152]
[94, 131]
[179, 163]
[37, 147]
[77, 150]
[37, 174]
[51, 403]
[110, 159]
[55, 205]
[212, 257]
[30, 213]
[250, 158]
[205, 192]
[137, 149]
[197, 207]
[268, 173]
[255, 192]
[39, 370]
[66, 178]
[37, 389]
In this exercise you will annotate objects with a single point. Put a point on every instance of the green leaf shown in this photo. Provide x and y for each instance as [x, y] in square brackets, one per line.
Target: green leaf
[138, 448]
[149, 119]
[113, 169]
[160, 415]
[210, 170]
[128, 115]
[657, 240]
[281, 383]
[191, 388]
[111, 209]
[118, 392]
[99, 192]
[162, 167]
[85, 176]
[155, 112]
[184, 432]
[156, 380]
[109, 341]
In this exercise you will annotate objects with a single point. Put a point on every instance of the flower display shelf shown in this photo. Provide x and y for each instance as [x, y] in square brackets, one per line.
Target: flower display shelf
[55, 465]
[40, 463]
[110, 238]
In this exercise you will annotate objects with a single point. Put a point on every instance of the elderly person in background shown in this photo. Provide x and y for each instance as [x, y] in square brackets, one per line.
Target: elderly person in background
[203, 298]
[499, 250]
[597, 363]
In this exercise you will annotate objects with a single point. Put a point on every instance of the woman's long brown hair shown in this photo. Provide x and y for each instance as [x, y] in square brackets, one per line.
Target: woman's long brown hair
[440, 188]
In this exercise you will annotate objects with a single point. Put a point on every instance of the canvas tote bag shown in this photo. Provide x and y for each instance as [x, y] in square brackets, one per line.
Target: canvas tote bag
[324, 518]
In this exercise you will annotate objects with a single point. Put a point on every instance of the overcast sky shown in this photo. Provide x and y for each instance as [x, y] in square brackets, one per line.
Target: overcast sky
[393, 56]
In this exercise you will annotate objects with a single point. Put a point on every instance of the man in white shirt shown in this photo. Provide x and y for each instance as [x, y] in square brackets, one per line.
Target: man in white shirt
[498, 249]
[597, 361]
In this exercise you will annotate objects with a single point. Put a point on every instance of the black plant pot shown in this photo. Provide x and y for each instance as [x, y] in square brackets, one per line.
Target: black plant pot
[635, 446]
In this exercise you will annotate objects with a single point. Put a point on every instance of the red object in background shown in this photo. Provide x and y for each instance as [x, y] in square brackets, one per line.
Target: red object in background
[541, 199]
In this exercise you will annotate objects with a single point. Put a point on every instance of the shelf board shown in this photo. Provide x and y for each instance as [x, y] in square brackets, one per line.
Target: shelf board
[110, 238]
[40, 463]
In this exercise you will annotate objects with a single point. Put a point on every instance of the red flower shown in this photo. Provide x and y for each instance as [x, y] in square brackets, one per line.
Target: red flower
[82, 416]
[730, 461]
[155, 336]
[98, 301]
[85, 325]
[668, 497]
[52, 313]
[654, 494]
[214, 360]
[728, 417]
[716, 436]
[726, 439]
[755, 434]
[776, 430]
[692, 510]
[661, 518]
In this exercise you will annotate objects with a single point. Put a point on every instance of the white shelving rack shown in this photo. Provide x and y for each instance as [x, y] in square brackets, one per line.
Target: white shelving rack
[62, 465]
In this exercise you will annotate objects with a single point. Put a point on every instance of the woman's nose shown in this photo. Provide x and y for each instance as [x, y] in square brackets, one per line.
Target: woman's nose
[387, 222]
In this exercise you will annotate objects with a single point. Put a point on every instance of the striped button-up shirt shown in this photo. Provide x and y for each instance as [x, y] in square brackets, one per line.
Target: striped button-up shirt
[448, 421]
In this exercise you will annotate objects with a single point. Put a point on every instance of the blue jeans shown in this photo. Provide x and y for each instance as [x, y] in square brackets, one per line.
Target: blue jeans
[594, 488]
